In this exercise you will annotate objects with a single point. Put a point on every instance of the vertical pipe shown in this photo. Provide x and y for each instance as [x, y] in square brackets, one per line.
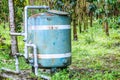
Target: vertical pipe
[26, 51]
[26, 31]
[17, 64]
[35, 60]
[35, 57]
[26, 22]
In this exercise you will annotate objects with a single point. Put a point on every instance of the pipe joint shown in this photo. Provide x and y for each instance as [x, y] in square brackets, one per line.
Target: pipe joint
[35, 65]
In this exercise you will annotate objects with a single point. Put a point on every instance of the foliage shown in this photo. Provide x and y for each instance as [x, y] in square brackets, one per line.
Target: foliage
[19, 8]
[92, 8]
[4, 10]
[91, 1]
[4, 43]
[82, 7]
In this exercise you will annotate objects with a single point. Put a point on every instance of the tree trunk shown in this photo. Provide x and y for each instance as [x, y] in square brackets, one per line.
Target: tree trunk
[106, 28]
[14, 47]
[106, 21]
[74, 31]
[74, 23]
[91, 16]
[80, 26]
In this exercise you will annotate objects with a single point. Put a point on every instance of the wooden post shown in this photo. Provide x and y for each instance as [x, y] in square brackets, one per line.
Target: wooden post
[106, 21]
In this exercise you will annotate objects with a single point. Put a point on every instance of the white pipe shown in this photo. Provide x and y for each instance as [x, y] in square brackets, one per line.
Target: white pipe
[9, 70]
[26, 15]
[17, 64]
[35, 57]
[45, 77]
[17, 34]
[37, 7]
[35, 61]
[26, 25]
[26, 51]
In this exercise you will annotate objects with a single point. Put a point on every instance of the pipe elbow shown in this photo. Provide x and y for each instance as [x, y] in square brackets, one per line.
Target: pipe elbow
[34, 46]
[26, 7]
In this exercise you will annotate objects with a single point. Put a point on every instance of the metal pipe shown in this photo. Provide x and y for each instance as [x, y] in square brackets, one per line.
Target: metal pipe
[17, 64]
[19, 54]
[37, 7]
[17, 34]
[35, 61]
[9, 70]
[26, 51]
[35, 57]
[45, 77]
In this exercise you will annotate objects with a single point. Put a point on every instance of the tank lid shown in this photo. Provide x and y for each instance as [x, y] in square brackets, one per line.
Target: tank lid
[58, 12]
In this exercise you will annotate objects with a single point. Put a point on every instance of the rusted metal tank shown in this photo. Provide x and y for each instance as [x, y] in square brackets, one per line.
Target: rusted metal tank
[51, 33]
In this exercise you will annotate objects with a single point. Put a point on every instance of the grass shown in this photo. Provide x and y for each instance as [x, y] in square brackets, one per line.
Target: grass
[95, 56]
[6, 60]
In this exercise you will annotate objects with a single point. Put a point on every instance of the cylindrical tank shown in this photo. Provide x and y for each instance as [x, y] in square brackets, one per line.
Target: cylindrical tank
[51, 33]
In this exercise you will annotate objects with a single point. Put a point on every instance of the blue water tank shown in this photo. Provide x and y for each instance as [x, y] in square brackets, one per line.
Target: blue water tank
[51, 33]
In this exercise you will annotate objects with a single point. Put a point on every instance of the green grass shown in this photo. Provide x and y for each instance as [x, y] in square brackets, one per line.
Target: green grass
[6, 61]
[95, 56]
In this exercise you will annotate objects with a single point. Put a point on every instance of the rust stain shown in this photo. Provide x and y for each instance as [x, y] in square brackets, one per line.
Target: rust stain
[58, 12]
[49, 14]
[39, 14]
[31, 55]
[53, 61]
[52, 28]
[44, 46]
[35, 15]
